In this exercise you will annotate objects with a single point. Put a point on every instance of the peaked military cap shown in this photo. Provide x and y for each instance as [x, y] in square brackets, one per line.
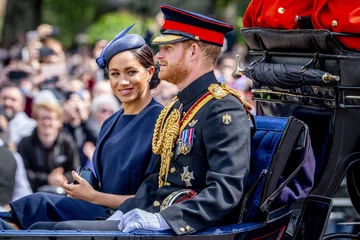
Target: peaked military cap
[120, 43]
[180, 25]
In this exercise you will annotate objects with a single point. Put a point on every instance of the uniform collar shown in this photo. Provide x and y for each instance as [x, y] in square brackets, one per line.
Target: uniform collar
[197, 87]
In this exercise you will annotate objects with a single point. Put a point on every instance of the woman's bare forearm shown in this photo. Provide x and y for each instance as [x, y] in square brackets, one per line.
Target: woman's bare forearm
[109, 200]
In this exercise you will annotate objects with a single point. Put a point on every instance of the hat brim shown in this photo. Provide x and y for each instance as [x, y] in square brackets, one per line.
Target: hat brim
[169, 38]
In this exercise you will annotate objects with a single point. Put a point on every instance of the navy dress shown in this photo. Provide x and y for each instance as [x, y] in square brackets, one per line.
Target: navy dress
[122, 160]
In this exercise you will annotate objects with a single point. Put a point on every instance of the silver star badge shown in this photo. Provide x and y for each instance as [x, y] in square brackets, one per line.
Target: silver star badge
[187, 176]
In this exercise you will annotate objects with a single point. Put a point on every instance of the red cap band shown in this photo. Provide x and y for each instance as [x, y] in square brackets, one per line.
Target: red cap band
[202, 33]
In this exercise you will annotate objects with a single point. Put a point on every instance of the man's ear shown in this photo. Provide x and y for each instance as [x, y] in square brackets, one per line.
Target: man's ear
[195, 51]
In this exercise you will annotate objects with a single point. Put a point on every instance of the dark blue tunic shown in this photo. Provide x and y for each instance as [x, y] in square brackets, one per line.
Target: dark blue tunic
[122, 160]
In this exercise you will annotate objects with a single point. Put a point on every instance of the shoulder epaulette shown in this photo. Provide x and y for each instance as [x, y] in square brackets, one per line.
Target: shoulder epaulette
[217, 91]
[233, 92]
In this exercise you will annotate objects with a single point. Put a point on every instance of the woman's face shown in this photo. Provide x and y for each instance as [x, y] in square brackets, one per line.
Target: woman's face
[129, 80]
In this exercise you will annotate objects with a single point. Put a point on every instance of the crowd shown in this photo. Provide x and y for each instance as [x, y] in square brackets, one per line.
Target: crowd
[53, 103]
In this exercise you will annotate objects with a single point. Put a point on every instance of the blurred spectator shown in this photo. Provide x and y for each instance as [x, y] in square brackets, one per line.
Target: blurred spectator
[98, 47]
[102, 107]
[15, 73]
[22, 186]
[77, 86]
[226, 65]
[154, 28]
[49, 154]
[13, 104]
[75, 116]
[165, 92]
[102, 87]
[7, 177]
[13, 181]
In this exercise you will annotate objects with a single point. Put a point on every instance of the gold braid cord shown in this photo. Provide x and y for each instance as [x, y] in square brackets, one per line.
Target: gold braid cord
[233, 92]
[165, 134]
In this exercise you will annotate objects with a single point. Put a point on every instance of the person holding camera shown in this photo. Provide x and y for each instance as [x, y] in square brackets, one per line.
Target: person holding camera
[123, 157]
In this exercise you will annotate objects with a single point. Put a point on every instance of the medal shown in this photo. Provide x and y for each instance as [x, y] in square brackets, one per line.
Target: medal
[187, 176]
[185, 141]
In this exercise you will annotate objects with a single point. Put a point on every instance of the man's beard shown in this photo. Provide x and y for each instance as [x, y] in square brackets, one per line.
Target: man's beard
[9, 114]
[175, 73]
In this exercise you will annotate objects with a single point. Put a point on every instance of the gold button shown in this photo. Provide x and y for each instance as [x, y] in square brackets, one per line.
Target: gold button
[156, 203]
[182, 229]
[334, 23]
[197, 38]
[173, 169]
[187, 228]
[281, 10]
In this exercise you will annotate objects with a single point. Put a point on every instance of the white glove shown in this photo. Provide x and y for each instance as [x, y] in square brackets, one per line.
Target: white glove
[118, 215]
[139, 219]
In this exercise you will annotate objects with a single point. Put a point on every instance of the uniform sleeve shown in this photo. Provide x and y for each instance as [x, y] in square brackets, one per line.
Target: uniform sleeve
[226, 137]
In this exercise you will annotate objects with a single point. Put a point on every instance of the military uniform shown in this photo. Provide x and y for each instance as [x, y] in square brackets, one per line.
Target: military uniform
[211, 157]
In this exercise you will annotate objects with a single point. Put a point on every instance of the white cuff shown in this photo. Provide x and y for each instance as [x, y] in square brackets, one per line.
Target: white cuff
[118, 215]
[163, 224]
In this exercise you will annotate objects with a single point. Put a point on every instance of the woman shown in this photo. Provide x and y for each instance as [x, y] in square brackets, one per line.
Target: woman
[123, 156]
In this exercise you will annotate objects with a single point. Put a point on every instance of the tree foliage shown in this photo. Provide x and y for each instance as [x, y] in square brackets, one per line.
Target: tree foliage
[110, 24]
[71, 16]
[101, 18]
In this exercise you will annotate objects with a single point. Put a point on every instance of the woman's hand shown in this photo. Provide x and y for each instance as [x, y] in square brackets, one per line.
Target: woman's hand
[83, 190]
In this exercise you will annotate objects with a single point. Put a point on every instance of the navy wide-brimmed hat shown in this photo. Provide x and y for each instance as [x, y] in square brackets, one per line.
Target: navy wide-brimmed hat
[180, 25]
[120, 43]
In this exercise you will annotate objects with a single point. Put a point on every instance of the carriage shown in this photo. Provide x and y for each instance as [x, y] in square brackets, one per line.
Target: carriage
[305, 141]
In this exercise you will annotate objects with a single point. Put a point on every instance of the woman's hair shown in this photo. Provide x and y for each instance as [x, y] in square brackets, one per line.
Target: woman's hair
[145, 57]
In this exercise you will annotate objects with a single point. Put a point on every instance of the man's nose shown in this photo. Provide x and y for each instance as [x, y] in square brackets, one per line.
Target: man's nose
[8, 102]
[159, 55]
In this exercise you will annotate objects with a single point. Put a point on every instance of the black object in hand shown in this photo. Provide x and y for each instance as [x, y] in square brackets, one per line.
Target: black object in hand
[89, 176]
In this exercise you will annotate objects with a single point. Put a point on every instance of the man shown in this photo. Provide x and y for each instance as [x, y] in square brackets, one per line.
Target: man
[13, 104]
[49, 154]
[202, 137]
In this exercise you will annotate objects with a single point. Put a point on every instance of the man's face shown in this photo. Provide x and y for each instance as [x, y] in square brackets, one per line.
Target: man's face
[172, 59]
[48, 122]
[12, 100]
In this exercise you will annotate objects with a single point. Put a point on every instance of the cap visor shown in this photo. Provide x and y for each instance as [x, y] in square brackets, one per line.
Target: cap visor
[168, 38]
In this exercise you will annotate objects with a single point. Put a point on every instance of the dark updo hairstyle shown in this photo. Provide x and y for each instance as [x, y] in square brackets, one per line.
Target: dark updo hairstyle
[145, 57]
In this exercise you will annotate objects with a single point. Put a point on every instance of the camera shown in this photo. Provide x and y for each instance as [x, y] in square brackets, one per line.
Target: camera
[17, 76]
[45, 52]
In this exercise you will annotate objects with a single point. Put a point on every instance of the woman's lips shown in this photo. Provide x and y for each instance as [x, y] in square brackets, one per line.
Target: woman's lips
[125, 91]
